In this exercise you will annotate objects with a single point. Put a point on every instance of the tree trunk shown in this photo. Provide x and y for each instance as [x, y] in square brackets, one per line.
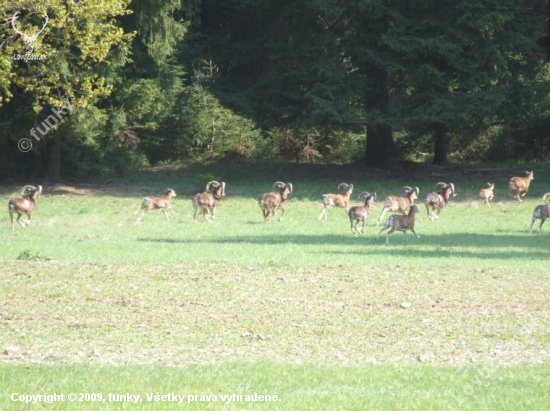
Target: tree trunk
[380, 150]
[441, 143]
[7, 152]
[53, 158]
[380, 146]
[204, 16]
[548, 32]
[211, 148]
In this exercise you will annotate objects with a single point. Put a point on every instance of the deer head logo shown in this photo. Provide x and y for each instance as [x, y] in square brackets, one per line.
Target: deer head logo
[28, 39]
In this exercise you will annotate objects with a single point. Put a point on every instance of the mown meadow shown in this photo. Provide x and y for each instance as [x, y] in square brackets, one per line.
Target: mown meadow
[90, 301]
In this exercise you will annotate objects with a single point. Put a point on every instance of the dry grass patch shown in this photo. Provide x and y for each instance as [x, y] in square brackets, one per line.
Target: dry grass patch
[60, 312]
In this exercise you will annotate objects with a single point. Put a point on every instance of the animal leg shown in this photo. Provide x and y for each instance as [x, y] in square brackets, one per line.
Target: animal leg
[282, 212]
[195, 212]
[208, 214]
[526, 190]
[536, 216]
[388, 235]
[266, 213]
[381, 216]
[143, 211]
[386, 226]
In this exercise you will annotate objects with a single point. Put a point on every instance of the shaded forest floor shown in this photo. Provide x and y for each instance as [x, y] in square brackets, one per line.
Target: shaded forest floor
[234, 167]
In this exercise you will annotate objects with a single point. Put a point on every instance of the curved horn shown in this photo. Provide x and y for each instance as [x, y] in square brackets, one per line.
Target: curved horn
[279, 184]
[440, 185]
[417, 191]
[406, 189]
[214, 183]
[39, 191]
[223, 188]
[347, 187]
[365, 194]
[290, 185]
[29, 188]
[452, 189]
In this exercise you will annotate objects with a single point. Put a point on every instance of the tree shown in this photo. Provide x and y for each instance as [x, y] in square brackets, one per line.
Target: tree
[431, 67]
[82, 45]
[278, 63]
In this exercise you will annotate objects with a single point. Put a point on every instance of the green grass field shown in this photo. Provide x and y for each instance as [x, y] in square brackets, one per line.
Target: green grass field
[91, 302]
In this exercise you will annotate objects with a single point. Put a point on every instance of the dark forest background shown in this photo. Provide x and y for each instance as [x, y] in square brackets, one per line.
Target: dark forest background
[333, 81]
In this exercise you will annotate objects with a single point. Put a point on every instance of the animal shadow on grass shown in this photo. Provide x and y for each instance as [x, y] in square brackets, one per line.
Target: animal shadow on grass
[500, 243]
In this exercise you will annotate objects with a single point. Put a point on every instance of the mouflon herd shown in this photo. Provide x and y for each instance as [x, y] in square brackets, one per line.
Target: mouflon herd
[206, 202]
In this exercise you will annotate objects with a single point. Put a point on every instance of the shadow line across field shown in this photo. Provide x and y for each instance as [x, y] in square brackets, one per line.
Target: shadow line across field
[457, 246]
[536, 240]
[468, 245]
[455, 254]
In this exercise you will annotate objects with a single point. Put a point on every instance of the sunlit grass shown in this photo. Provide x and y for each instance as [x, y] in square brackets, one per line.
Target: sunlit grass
[100, 226]
[319, 387]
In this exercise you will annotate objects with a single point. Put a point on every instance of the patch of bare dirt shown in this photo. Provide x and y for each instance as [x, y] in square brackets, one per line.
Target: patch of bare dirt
[88, 189]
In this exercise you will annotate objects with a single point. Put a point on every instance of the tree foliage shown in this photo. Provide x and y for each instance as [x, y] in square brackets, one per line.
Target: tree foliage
[81, 44]
[309, 80]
